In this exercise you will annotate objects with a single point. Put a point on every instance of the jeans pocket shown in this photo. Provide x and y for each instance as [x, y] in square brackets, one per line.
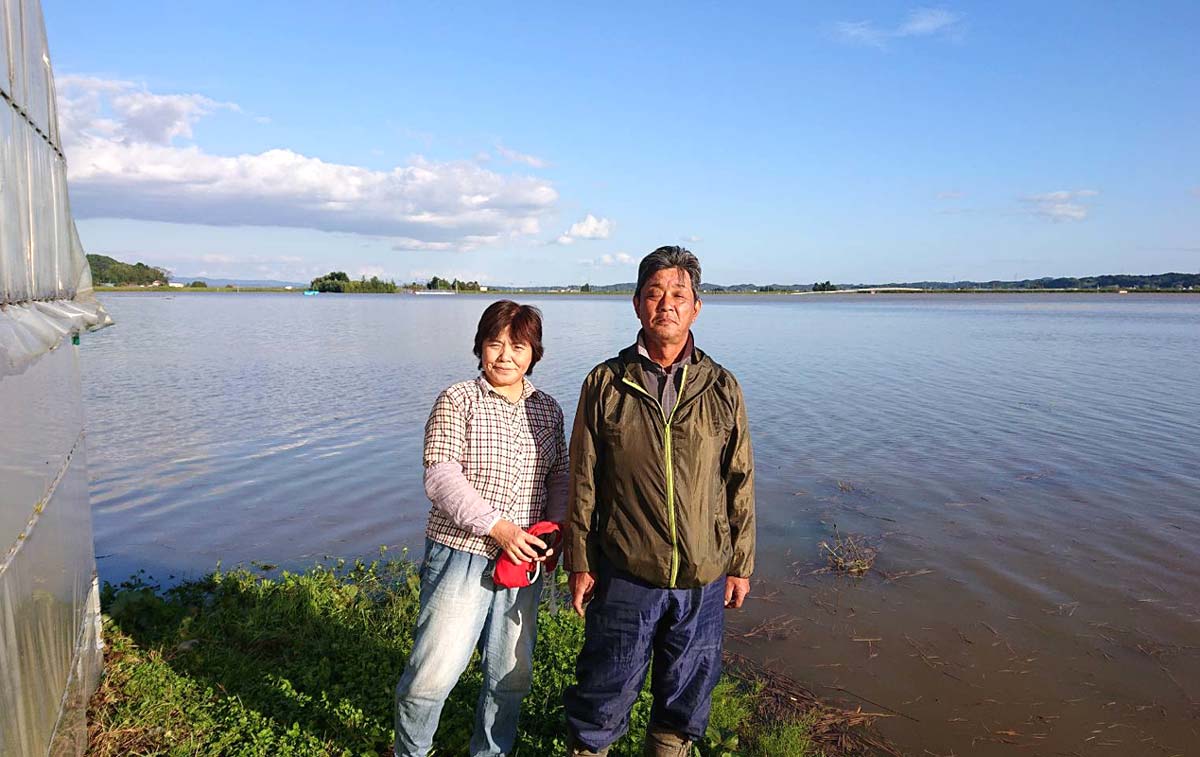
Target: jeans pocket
[436, 557]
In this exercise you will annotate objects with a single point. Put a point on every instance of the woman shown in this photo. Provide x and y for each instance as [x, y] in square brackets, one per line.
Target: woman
[495, 464]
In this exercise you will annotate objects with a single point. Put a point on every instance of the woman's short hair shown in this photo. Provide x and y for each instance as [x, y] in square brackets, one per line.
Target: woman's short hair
[524, 324]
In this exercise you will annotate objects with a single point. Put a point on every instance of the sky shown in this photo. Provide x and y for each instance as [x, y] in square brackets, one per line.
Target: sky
[550, 143]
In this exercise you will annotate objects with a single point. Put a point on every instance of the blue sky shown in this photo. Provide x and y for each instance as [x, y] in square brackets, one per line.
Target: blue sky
[554, 143]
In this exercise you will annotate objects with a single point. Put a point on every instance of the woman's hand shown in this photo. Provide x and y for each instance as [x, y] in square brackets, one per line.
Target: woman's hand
[518, 543]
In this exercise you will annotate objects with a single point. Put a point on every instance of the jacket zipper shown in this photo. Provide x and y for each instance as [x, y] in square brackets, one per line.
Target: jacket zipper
[669, 466]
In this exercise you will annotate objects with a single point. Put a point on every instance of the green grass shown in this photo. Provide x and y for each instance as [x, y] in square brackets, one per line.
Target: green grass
[238, 663]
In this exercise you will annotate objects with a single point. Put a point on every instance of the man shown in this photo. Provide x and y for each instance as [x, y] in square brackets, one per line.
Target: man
[661, 521]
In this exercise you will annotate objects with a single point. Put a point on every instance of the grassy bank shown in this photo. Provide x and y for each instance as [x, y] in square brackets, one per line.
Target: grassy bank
[304, 664]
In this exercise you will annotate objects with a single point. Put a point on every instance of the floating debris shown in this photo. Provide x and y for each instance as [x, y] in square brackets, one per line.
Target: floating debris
[851, 554]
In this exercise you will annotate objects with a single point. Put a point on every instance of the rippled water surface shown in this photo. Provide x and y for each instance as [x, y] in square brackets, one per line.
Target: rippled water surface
[1028, 467]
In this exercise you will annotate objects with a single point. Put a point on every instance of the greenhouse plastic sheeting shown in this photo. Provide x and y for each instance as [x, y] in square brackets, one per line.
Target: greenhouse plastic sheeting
[50, 657]
[34, 65]
[5, 48]
[11, 12]
[40, 256]
[47, 607]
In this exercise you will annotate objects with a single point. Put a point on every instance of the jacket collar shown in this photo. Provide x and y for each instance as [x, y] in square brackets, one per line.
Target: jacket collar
[700, 371]
[687, 356]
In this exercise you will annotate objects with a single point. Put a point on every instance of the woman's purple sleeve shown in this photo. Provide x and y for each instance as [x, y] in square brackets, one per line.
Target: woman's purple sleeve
[450, 492]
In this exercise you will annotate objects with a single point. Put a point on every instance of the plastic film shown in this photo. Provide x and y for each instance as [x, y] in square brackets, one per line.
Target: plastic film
[30, 461]
[5, 52]
[16, 76]
[31, 329]
[65, 274]
[15, 278]
[43, 255]
[43, 612]
[37, 66]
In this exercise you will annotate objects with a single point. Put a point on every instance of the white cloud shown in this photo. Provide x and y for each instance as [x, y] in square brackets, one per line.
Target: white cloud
[519, 157]
[128, 157]
[921, 22]
[924, 22]
[590, 227]
[690, 239]
[614, 259]
[417, 244]
[1062, 205]
[862, 33]
[951, 195]
[122, 109]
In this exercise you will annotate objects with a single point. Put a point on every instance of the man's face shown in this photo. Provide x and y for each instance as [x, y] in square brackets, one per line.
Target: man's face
[667, 306]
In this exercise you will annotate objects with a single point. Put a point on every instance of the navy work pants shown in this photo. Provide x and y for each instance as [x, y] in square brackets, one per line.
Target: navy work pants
[628, 622]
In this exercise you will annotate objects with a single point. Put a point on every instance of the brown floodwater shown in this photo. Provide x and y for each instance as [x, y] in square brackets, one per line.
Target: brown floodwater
[1026, 466]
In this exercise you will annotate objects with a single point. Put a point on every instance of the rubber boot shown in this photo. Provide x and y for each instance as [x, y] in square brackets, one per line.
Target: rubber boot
[663, 742]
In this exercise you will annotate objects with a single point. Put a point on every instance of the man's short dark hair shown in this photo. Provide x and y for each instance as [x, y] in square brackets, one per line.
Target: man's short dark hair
[524, 324]
[672, 256]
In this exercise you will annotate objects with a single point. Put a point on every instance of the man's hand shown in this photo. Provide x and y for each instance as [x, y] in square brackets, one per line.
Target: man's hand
[518, 543]
[736, 590]
[583, 584]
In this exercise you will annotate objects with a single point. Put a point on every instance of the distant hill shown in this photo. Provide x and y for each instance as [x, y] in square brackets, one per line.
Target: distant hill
[1105, 281]
[106, 270]
[1170, 281]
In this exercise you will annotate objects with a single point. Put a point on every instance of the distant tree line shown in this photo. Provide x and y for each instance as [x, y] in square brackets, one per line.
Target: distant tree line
[1178, 281]
[437, 282]
[338, 281]
[106, 270]
[824, 287]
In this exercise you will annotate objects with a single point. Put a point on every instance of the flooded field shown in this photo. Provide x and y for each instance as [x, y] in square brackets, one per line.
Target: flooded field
[1024, 468]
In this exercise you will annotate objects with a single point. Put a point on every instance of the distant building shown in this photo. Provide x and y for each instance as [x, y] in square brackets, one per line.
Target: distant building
[175, 285]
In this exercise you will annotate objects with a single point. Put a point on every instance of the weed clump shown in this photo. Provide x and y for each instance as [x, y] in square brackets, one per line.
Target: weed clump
[851, 554]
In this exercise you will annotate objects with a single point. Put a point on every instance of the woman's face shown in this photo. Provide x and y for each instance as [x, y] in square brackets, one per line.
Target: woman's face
[504, 362]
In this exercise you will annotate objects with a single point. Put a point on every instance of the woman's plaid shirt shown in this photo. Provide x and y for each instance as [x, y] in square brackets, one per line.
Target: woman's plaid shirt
[508, 451]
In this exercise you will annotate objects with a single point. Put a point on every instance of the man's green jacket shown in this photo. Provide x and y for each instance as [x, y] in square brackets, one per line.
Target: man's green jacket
[668, 499]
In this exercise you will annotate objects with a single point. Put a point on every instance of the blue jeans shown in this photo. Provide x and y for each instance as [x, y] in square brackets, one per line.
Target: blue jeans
[628, 623]
[461, 610]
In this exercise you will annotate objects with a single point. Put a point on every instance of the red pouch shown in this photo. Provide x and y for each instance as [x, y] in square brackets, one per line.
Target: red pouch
[510, 575]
